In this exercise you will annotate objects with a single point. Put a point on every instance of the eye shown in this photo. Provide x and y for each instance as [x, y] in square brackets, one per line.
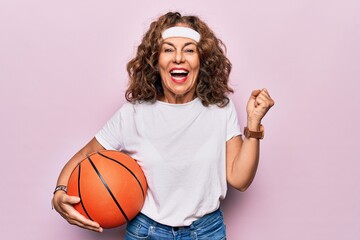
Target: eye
[168, 50]
[189, 50]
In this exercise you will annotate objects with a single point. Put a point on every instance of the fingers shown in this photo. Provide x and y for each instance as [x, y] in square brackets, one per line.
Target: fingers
[72, 199]
[258, 105]
[262, 98]
[63, 204]
[75, 218]
[255, 93]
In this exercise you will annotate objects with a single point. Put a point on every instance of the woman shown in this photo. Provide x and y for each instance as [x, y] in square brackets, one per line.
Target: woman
[183, 130]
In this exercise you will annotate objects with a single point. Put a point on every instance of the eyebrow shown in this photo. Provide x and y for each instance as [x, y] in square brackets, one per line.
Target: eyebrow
[186, 44]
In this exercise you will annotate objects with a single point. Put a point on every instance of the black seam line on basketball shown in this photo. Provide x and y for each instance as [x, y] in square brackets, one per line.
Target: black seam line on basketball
[79, 192]
[132, 173]
[109, 190]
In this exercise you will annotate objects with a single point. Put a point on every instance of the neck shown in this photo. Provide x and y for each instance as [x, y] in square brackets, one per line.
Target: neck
[177, 99]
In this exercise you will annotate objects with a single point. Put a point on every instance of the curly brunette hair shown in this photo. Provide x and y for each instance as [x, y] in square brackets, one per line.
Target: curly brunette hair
[145, 81]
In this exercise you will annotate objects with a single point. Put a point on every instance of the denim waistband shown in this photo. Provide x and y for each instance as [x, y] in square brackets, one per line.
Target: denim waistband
[196, 224]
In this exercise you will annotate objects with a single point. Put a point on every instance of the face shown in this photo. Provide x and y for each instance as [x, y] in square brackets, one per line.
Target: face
[179, 66]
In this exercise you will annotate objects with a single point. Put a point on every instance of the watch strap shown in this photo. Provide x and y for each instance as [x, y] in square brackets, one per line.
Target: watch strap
[254, 134]
[60, 188]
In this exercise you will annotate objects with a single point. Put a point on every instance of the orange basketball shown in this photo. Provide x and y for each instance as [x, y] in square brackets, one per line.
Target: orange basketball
[112, 188]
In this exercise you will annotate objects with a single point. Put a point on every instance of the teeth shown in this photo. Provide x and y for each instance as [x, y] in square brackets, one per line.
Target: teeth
[179, 71]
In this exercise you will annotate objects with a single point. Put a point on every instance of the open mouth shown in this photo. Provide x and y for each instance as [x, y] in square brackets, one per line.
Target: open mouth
[179, 74]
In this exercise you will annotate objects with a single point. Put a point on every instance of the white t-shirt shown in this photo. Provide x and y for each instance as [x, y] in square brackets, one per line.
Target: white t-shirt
[182, 151]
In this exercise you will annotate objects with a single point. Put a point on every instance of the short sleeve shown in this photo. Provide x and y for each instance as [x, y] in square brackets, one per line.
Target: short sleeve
[233, 127]
[110, 136]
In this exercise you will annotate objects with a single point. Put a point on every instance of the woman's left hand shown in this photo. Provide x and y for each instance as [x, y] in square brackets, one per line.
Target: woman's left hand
[259, 103]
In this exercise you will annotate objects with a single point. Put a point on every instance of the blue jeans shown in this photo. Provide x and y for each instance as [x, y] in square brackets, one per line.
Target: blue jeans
[210, 227]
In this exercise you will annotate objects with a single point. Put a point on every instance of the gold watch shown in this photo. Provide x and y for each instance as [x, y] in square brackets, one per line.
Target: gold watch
[254, 134]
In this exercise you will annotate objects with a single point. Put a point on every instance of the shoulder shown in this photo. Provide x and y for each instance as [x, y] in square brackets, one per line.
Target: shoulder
[129, 108]
[230, 106]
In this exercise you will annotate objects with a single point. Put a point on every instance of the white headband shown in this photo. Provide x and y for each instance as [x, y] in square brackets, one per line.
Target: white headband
[181, 32]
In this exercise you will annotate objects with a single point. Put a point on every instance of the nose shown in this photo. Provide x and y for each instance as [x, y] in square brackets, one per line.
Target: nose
[179, 56]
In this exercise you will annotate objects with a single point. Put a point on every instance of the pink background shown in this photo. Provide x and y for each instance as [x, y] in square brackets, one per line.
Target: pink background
[62, 72]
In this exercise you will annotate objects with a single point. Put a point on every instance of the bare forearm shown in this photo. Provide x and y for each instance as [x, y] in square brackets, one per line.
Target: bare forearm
[69, 167]
[245, 164]
[91, 147]
[64, 203]
[242, 156]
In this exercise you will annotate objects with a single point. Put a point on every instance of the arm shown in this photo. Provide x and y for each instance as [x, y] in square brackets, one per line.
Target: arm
[242, 156]
[63, 202]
